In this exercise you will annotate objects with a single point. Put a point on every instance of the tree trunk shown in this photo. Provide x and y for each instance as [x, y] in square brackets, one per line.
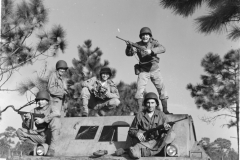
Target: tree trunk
[237, 116]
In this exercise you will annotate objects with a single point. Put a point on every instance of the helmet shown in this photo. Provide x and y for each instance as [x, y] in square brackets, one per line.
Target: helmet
[151, 95]
[61, 64]
[41, 95]
[106, 70]
[145, 30]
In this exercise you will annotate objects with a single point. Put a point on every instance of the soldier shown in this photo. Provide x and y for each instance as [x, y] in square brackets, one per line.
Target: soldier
[51, 121]
[100, 94]
[57, 86]
[145, 120]
[148, 67]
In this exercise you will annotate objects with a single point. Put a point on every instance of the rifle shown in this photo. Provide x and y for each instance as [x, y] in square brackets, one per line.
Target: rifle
[160, 127]
[33, 116]
[133, 44]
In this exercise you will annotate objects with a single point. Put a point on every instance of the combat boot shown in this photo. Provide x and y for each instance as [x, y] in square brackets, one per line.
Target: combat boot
[164, 106]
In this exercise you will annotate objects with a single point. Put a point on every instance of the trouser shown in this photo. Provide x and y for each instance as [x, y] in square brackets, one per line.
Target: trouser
[34, 137]
[31, 136]
[89, 101]
[156, 79]
[58, 103]
[152, 147]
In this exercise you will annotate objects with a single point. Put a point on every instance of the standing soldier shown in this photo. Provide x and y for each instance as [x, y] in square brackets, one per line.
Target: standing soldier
[57, 86]
[50, 121]
[100, 94]
[148, 67]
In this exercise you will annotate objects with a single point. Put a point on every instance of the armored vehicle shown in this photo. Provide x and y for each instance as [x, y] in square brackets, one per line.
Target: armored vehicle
[80, 137]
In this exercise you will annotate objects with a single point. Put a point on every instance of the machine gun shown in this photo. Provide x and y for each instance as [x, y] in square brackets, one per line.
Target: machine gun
[160, 127]
[33, 116]
[133, 44]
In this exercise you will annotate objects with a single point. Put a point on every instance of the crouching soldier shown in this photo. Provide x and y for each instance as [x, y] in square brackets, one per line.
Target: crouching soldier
[153, 143]
[57, 86]
[51, 121]
[100, 94]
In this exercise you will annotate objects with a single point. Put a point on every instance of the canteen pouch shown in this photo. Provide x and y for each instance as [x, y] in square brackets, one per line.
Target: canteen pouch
[137, 69]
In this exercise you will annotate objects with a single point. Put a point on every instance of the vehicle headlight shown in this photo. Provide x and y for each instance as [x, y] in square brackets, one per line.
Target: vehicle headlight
[171, 150]
[40, 150]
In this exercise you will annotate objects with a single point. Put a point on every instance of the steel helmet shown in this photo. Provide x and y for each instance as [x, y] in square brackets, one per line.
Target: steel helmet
[61, 64]
[145, 30]
[106, 70]
[151, 95]
[41, 95]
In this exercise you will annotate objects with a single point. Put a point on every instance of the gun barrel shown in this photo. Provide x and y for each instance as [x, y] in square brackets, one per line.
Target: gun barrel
[121, 38]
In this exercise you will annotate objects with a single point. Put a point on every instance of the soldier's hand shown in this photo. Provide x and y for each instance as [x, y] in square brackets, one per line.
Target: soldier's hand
[39, 120]
[128, 44]
[27, 116]
[148, 51]
[166, 126]
[103, 89]
[134, 49]
[141, 137]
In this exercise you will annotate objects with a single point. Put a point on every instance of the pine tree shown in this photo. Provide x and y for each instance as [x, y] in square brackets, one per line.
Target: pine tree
[87, 66]
[218, 149]
[18, 26]
[219, 89]
[224, 15]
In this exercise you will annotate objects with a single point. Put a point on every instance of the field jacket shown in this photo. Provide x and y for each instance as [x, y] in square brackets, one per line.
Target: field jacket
[93, 84]
[142, 122]
[147, 62]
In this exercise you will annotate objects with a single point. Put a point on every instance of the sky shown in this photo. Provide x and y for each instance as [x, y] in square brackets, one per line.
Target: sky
[101, 21]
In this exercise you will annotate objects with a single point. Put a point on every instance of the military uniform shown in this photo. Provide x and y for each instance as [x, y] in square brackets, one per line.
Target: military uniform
[93, 98]
[142, 122]
[148, 68]
[56, 88]
[51, 122]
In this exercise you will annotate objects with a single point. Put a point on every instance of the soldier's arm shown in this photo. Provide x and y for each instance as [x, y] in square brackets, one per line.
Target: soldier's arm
[157, 48]
[133, 130]
[129, 51]
[54, 112]
[89, 83]
[113, 93]
[53, 88]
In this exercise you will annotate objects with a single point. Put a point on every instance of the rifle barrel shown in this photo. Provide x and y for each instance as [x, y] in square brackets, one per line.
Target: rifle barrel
[120, 38]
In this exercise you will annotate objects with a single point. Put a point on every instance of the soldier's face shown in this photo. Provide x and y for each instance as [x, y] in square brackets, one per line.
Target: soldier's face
[151, 105]
[42, 103]
[145, 38]
[61, 71]
[105, 76]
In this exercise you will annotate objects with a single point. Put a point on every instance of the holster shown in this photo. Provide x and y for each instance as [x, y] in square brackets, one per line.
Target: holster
[137, 69]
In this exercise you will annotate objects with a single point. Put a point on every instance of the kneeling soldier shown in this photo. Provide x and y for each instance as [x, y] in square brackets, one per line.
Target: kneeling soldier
[100, 94]
[50, 121]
